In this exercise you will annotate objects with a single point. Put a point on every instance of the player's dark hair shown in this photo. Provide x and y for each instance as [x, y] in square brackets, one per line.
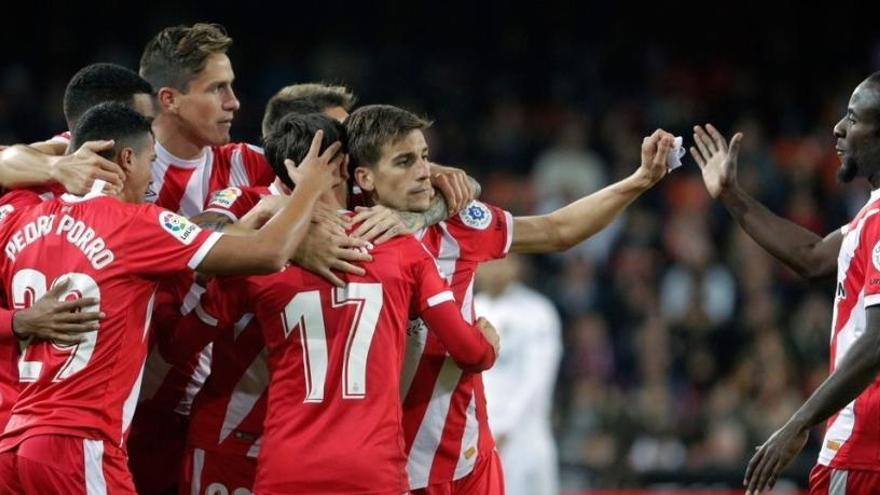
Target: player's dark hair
[292, 137]
[176, 55]
[305, 98]
[373, 126]
[97, 83]
[112, 120]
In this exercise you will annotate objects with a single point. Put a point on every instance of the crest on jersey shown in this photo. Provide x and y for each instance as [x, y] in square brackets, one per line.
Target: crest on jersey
[225, 197]
[6, 210]
[476, 215]
[181, 228]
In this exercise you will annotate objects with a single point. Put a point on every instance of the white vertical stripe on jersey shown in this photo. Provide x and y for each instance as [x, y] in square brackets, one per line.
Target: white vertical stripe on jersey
[238, 174]
[837, 483]
[842, 428]
[198, 465]
[427, 440]
[196, 380]
[246, 393]
[469, 441]
[241, 324]
[467, 305]
[93, 459]
[192, 297]
[196, 192]
[448, 255]
[157, 174]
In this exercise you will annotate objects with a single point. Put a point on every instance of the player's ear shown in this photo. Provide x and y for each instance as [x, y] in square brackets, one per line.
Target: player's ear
[125, 159]
[167, 98]
[363, 177]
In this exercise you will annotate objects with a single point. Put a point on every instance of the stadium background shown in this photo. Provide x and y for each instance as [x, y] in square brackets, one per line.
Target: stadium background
[685, 345]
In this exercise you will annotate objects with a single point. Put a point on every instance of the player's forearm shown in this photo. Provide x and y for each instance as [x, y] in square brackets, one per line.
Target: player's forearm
[437, 211]
[465, 343]
[21, 166]
[572, 224]
[279, 239]
[786, 241]
[857, 370]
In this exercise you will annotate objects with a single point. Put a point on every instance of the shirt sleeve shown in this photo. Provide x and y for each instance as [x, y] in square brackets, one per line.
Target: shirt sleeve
[233, 202]
[258, 169]
[17, 199]
[160, 243]
[870, 246]
[484, 232]
[435, 305]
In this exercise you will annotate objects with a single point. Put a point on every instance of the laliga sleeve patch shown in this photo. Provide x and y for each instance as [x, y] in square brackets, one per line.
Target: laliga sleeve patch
[180, 228]
[875, 256]
[476, 215]
[225, 197]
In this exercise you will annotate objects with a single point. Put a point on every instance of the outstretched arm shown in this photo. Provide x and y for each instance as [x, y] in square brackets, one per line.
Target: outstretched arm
[571, 224]
[803, 251]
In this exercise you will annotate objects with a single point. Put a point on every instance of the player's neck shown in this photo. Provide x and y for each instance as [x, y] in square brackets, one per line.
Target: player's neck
[330, 200]
[174, 139]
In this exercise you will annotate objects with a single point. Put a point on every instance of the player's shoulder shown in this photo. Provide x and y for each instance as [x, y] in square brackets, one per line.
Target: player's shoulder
[477, 216]
[230, 149]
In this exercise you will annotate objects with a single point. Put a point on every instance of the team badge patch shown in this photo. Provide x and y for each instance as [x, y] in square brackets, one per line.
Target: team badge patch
[181, 228]
[875, 255]
[476, 215]
[225, 197]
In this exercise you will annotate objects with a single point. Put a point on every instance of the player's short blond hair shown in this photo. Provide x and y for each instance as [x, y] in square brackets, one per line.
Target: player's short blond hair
[177, 54]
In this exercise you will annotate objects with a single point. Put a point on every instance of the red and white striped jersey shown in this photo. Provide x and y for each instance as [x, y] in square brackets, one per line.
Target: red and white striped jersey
[228, 412]
[110, 250]
[852, 439]
[235, 202]
[444, 409]
[184, 186]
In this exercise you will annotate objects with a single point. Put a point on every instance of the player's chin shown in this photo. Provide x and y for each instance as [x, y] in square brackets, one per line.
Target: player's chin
[419, 204]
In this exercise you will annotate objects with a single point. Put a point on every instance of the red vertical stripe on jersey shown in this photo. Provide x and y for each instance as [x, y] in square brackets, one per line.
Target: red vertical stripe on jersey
[453, 431]
[173, 187]
[421, 390]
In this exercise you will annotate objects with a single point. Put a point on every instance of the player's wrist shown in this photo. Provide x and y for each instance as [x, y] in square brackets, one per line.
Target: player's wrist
[17, 326]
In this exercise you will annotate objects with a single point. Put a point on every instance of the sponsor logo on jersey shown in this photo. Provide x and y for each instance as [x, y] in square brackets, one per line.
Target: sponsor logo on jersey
[225, 197]
[180, 228]
[476, 215]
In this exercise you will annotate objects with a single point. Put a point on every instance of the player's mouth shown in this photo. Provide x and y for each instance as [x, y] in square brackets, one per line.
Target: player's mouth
[419, 190]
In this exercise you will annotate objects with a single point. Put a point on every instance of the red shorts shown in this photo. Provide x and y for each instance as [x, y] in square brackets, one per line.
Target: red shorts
[57, 464]
[830, 481]
[214, 473]
[487, 478]
[155, 448]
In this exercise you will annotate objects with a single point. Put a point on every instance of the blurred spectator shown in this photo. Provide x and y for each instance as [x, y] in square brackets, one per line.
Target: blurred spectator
[519, 388]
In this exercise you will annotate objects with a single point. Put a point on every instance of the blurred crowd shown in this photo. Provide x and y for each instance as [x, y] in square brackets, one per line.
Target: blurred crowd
[684, 344]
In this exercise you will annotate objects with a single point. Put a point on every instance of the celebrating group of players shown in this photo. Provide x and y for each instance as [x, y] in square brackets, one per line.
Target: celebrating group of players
[186, 314]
